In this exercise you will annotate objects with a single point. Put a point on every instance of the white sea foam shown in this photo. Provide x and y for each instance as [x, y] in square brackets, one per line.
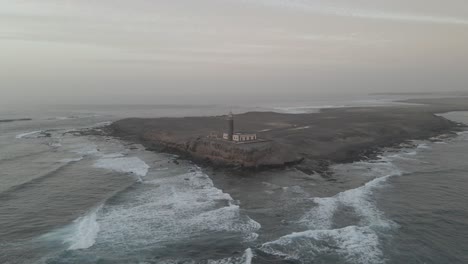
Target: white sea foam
[124, 164]
[246, 258]
[462, 135]
[28, 134]
[62, 118]
[84, 231]
[172, 208]
[55, 144]
[358, 243]
[221, 220]
[300, 128]
[359, 199]
[404, 157]
[352, 244]
[71, 160]
[250, 237]
[306, 109]
[113, 155]
[101, 124]
[298, 110]
[85, 149]
[423, 146]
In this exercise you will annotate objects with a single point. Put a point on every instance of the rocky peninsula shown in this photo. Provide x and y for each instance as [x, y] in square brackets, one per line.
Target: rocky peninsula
[311, 142]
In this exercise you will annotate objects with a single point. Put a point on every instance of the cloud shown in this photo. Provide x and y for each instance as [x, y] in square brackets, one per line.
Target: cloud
[327, 8]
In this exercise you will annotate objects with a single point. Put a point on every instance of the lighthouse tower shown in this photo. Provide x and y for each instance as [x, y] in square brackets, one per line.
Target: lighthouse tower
[229, 134]
[230, 131]
[238, 137]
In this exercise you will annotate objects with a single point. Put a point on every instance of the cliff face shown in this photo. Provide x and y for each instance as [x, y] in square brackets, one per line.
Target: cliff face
[225, 153]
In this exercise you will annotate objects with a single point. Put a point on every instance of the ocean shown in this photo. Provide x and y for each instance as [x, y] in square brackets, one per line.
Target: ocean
[70, 198]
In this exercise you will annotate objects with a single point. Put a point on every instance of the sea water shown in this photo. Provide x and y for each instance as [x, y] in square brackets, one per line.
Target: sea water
[66, 198]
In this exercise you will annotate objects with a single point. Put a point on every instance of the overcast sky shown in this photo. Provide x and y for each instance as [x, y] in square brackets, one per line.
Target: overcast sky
[147, 51]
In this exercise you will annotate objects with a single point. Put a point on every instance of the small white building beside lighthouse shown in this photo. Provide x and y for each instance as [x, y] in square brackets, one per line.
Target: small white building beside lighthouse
[242, 137]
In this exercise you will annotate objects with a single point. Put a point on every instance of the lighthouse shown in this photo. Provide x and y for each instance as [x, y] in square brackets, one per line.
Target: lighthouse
[237, 137]
[230, 123]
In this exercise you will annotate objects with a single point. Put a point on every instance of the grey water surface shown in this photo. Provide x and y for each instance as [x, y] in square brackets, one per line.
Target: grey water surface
[68, 198]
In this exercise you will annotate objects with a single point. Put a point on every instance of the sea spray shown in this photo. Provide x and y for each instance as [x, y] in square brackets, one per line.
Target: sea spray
[123, 164]
[80, 234]
[84, 231]
[248, 256]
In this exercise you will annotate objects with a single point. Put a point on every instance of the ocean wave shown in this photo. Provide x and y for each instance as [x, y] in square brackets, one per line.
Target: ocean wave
[356, 243]
[222, 219]
[71, 160]
[85, 149]
[246, 258]
[300, 128]
[84, 231]
[423, 146]
[28, 134]
[33, 179]
[10, 156]
[55, 144]
[113, 155]
[303, 109]
[123, 164]
[169, 209]
[102, 124]
[14, 120]
[80, 234]
[463, 135]
[63, 117]
[359, 200]
[351, 244]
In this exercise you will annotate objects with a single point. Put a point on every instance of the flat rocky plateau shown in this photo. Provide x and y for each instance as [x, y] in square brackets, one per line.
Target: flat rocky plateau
[310, 142]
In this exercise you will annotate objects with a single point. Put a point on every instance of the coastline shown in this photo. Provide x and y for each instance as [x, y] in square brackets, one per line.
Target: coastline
[307, 142]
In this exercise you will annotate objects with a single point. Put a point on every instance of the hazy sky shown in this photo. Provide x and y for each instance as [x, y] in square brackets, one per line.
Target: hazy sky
[147, 51]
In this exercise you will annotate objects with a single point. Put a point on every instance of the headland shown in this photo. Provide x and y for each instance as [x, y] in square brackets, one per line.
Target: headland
[310, 142]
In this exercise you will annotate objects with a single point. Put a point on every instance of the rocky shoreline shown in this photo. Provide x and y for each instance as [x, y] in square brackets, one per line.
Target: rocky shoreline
[308, 142]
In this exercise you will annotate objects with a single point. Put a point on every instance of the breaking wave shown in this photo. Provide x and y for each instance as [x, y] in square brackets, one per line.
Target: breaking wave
[246, 258]
[85, 149]
[28, 134]
[84, 231]
[355, 243]
[170, 209]
[80, 234]
[123, 164]
[298, 109]
[351, 244]
[71, 160]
